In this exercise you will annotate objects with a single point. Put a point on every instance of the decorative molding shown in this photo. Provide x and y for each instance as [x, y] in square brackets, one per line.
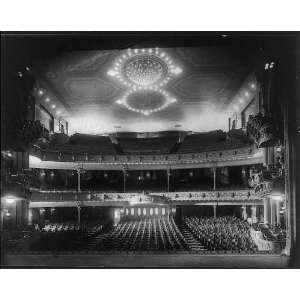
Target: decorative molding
[262, 130]
[94, 198]
[60, 160]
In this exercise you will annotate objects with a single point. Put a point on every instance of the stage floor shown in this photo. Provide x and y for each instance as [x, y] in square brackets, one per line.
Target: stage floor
[148, 261]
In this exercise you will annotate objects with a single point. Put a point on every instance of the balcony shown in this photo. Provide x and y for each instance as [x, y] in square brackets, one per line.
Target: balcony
[68, 161]
[94, 198]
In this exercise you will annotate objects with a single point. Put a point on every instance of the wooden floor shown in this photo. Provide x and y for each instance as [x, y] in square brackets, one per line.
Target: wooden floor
[148, 261]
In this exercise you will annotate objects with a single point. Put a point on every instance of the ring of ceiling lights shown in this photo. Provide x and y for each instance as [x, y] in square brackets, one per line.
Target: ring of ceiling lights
[144, 71]
[163, 99]
[144, 67]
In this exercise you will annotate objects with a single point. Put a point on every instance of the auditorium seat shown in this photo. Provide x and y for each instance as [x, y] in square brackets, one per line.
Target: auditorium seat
[81, 143]
[222, 234]
[159, 145]
[154, 234]
[212, 141]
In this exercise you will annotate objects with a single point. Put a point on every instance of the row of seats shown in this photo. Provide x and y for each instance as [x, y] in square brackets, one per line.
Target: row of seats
[160, 145]
[80, 143]
[223, 233]
[60, 227]
[152, 234]
[274, 233]
[197, 142]
[103, 148]
[143, 235]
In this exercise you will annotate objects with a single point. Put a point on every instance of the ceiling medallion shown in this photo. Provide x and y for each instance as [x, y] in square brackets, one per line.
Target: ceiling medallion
[144, 70]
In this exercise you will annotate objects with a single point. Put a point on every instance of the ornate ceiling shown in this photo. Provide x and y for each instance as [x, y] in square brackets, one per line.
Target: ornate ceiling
[209, 80]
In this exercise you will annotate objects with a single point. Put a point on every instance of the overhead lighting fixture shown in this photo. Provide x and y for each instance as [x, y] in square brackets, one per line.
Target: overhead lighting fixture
[277, 197]
[235, 107]
[10, 199]
[144, 68]
[47, 99]
[41, 92]
[253, 86]
[53, 106]
[137, 100]
[7, 153]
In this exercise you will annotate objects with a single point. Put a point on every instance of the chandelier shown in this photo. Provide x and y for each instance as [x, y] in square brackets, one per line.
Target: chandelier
[146, 70]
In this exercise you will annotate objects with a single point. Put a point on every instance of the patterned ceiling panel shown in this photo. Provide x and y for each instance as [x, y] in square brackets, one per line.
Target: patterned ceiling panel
[209, 80]
[92, 88]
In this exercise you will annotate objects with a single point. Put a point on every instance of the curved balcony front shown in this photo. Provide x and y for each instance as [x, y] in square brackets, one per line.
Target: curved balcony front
[67, 161]
[94, 198]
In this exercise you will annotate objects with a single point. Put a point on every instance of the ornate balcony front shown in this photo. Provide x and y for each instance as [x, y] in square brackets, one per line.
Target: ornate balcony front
[67, 161]
[94, 198]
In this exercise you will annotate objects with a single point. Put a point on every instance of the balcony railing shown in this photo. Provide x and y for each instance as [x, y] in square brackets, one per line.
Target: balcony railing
[90, 161]
[86, 198]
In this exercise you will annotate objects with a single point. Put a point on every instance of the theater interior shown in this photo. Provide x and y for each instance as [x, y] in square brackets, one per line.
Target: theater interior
[150, 150]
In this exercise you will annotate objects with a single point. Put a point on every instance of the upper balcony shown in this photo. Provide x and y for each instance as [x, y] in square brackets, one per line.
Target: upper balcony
[68, 161]
[209, 149]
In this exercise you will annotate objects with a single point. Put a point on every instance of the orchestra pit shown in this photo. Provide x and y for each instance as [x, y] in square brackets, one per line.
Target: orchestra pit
[149, 151]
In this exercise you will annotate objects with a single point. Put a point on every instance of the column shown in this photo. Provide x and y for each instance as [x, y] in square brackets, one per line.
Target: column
[266, 210]
[124, 180]
[272, 212]
[29, 216]
[278, 212]
[244, 176]
[168, 180]
[78, 214]
[215, 210]
[214, 170]
[244, 213]
[290, 170]
[2, 220]
[66, 179]
[265, 156]
[78, 180]
[16, 214]
[42, 216]
[253, 214]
